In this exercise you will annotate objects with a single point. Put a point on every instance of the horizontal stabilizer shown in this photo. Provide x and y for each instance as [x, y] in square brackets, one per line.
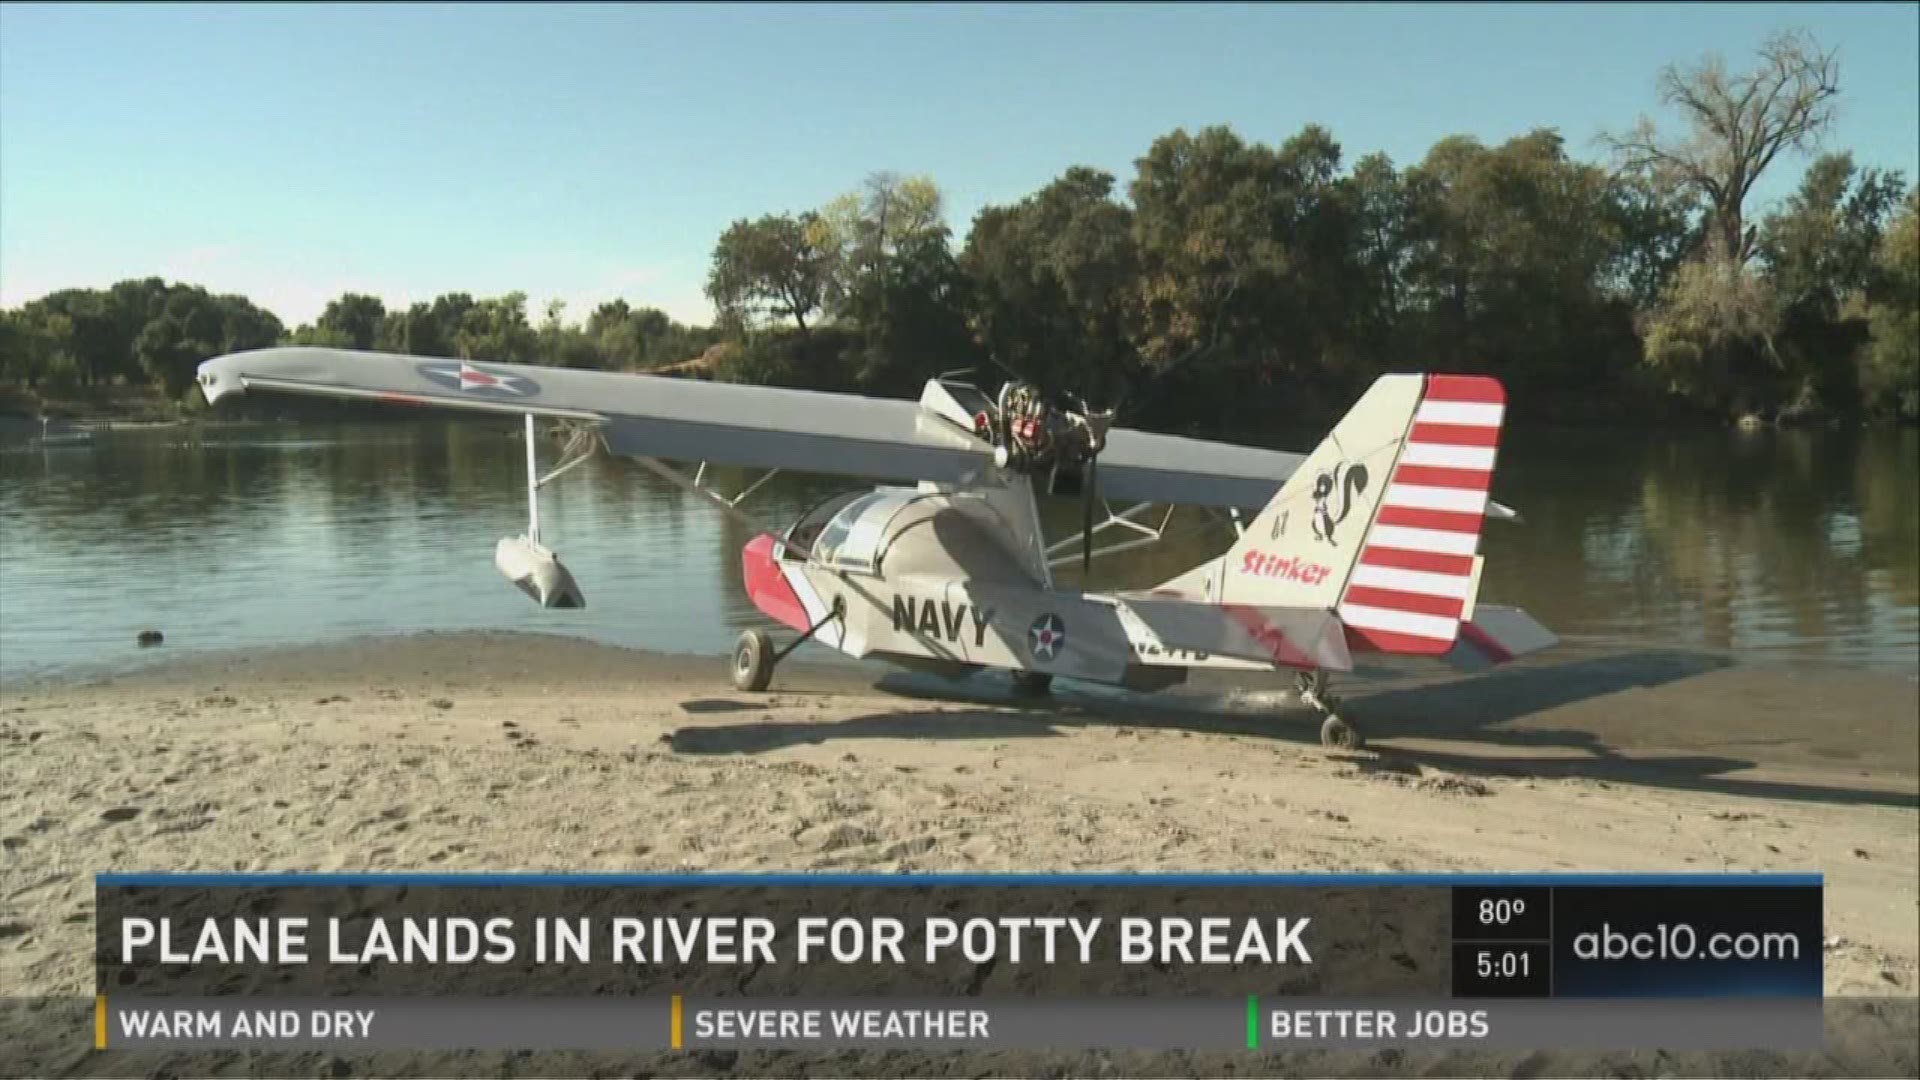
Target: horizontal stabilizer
[1297, 637]
[1502, 512]
[1495, 635]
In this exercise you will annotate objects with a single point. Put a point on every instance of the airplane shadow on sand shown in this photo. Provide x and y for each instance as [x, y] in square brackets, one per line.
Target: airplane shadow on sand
[1473, 709]
[700, 706]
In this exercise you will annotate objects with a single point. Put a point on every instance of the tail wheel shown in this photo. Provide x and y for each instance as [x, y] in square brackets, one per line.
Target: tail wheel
[1337, 734]
[752, 661]
[1032, 683]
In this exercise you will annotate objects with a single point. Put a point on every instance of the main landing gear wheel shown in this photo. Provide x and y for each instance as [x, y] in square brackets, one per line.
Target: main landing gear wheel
[752, 661]
[1335, 732]
[1032, 683]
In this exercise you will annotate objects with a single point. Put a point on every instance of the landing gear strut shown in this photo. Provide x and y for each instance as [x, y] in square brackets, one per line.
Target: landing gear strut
[1335, 732]
[754, 657]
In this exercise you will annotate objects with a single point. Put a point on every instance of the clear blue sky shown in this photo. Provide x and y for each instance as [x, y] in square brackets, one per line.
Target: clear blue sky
[293, 153]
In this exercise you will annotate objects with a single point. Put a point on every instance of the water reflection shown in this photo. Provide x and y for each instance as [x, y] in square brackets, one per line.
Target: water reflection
[1775, 545]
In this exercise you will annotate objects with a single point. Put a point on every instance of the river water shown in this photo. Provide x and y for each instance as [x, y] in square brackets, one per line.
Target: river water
[1773, 547]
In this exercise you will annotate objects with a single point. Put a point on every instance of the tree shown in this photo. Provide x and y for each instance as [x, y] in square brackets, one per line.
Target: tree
[566, 346]
[862, 232]
[496, 329]
[244, 326]
[1737, 126]
[1820, 246]
[448, 310]
[918, 327]
[16, 344]
[415, 331]
[1516, 242]
[1204, 218]
[189, 329]
[1055, 283]
[192, 326]
[1392, 225]
[1712, 336]
[1891, 378]
[631, 339]
[354, 319]
[770, 267]
[1819, 250]
[81, 325]
[1653, 219]
[134, 302]
[1249, 281]
[320, 337]
[611, 330]
[36, 346]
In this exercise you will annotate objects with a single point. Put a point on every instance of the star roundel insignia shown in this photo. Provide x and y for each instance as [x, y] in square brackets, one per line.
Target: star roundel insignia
[1047, 636]
[470, 378]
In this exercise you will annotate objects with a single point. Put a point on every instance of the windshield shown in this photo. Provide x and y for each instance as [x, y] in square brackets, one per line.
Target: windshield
[805, 532]
[851, 541]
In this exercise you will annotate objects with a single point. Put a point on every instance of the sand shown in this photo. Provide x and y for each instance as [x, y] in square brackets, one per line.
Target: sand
[524, 752]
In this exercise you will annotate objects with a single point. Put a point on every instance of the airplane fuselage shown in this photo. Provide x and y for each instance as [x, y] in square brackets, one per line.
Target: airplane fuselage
[950, 581]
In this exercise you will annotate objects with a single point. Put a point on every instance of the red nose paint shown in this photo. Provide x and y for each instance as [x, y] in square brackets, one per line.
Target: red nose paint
[767, 584]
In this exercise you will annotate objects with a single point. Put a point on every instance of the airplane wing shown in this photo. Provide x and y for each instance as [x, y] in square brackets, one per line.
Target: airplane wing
[644, 415]
[755, 426]
[1139, 466]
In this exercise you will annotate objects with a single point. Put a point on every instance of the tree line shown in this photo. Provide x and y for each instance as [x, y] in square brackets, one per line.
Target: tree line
[150, 331]
[1230, 284]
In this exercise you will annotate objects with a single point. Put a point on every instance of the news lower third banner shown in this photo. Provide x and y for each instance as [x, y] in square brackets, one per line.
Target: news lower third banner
[352, 963]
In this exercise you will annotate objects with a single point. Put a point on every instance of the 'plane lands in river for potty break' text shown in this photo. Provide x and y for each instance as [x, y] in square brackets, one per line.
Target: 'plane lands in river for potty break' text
[1368, 544]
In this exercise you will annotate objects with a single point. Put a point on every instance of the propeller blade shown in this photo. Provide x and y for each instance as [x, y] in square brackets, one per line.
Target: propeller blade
[1086, 518]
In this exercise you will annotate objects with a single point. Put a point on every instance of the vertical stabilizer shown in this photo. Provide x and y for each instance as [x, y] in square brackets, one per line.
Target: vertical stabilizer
[1381, 523]
[1299, 550]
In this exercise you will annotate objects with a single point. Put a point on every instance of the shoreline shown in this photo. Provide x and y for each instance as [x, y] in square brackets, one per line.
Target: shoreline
[1684, 699]
[1686, 734]
[525, 752]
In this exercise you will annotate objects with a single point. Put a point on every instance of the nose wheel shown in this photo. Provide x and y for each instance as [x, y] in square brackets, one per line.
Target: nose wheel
[752, 661]
[754, 656]
[1336, 733]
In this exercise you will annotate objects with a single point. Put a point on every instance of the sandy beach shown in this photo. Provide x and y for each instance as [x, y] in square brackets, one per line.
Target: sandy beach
[522, 752]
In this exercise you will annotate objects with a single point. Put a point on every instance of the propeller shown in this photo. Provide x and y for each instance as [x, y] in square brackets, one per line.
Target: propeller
[1087, 485]
[1092, 425]
[1096, 422]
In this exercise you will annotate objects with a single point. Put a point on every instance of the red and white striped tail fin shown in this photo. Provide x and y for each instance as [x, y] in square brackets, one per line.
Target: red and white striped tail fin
[1379, 525]
[1418, 568]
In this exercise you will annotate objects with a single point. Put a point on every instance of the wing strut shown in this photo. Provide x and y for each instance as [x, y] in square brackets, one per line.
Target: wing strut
[1126, 519]
[697, 484]
[533, 485]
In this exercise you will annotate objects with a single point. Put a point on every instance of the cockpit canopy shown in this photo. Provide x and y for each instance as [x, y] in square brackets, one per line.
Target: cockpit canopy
[855, 531]
[854, 537]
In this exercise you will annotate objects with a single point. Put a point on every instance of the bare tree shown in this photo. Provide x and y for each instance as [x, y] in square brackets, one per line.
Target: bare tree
[1737, 125]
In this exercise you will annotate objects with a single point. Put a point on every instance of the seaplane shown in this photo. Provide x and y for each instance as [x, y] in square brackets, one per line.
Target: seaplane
[1367, 544]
